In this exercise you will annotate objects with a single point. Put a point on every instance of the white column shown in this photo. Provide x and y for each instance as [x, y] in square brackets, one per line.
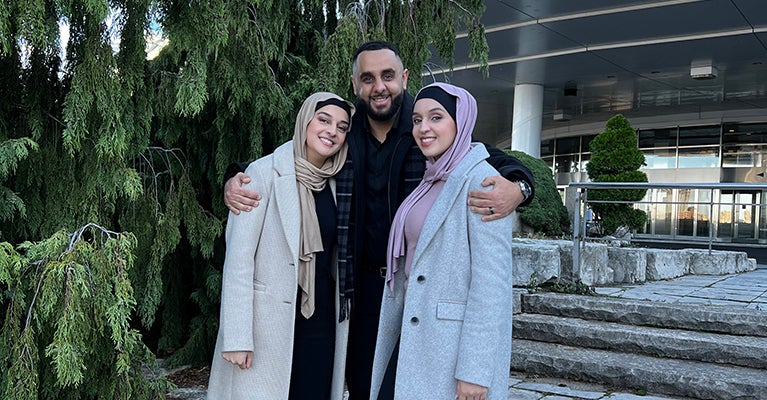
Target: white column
[527, 119]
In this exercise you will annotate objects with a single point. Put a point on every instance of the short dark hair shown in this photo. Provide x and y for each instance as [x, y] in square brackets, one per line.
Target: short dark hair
[376, 45]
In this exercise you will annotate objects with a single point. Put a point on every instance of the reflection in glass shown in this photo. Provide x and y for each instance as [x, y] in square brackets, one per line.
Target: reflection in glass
[725, 216]
[566, 163]
[649, 138]
[663, 212]
[744, 215]
[660, 158]
[693, 213]
[706, 157]
[741, 156]
[699, 135]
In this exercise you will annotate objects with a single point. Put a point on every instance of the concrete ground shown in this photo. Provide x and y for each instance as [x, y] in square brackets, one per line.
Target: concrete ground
[748, 290]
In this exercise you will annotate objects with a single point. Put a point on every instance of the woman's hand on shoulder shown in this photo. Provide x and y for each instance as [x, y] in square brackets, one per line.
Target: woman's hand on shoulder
[470, 391]
[242, 359]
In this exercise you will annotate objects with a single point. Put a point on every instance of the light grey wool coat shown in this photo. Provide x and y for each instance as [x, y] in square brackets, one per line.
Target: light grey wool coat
[454, 320]
[260, 285]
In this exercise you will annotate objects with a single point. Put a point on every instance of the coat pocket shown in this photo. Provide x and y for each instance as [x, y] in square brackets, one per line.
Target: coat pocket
[451, 311]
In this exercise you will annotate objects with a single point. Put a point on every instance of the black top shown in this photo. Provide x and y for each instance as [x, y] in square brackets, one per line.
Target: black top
[377, 158]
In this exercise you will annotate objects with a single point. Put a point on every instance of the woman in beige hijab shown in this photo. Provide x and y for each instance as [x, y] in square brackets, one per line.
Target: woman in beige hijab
[279, 333]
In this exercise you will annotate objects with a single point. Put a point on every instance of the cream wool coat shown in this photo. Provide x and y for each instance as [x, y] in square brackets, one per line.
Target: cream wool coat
[454, 320]
[260, 286]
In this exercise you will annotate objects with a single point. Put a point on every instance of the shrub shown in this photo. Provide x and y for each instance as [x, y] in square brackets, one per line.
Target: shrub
[616, 158]
[546, 213]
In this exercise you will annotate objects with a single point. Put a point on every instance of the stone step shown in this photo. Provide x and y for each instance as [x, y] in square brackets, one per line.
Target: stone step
[660, 375]
[695, 317]
[746, 351]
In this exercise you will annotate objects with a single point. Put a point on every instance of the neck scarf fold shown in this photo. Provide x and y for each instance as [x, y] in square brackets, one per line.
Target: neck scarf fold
[436, 170]
[311, 179]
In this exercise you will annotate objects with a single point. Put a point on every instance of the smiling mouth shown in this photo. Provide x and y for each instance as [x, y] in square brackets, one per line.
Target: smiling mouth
[427, 140]
[379, 99]
[327, 141]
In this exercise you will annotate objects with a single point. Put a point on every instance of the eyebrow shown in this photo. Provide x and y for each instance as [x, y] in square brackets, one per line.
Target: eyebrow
[431, 110]
[331, 117]
[386, 71]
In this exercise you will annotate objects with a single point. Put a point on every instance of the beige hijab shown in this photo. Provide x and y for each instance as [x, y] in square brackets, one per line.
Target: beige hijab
[311, 179]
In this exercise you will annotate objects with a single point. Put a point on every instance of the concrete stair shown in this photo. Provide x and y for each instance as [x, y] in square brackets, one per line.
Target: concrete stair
[687, 350]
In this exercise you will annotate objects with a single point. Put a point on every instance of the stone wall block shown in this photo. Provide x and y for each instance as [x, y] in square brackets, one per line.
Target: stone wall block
[703, 262]
[534, 263]
[629, 264]
[666, 264]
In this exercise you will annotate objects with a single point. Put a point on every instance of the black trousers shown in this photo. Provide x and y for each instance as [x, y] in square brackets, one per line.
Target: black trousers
[363, 329]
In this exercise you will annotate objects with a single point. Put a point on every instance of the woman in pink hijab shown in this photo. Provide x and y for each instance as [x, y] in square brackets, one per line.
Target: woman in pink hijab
[445, 325]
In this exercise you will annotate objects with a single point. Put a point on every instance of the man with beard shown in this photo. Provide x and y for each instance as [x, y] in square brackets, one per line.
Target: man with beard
[383, 167]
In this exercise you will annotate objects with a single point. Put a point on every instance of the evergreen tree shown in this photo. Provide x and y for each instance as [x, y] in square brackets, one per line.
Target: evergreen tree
[615, 157]
[111, 165]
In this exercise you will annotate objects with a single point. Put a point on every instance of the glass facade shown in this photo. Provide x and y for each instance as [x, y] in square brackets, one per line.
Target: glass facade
[736, 151]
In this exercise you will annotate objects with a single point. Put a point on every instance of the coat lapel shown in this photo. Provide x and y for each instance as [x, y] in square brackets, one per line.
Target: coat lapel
[450, 193]
[438, 213]
[286, 190]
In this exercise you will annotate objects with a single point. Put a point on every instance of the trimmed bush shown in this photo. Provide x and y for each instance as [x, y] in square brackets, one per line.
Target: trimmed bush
[545, 214]
[615, 157]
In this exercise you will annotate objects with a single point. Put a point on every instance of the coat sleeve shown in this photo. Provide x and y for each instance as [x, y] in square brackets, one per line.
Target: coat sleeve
[232, 170]
[243, 233]
[489, 297]
[512, 169]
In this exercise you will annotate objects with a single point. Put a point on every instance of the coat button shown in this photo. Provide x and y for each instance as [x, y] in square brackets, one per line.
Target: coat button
[414, 320]
[421, 278]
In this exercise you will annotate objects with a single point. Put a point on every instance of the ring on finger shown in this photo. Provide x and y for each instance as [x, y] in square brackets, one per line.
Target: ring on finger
[491, 210]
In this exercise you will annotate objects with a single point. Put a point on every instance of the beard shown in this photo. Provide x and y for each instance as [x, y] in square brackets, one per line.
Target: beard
[385, 115]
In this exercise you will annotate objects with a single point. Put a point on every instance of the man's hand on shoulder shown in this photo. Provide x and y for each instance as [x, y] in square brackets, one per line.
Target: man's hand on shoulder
[498, 202]
[238, 198]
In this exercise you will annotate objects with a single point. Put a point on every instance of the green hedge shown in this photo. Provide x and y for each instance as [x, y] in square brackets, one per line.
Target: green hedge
[545, 214]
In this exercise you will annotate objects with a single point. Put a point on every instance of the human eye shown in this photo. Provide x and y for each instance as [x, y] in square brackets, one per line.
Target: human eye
[416, 120]
[343, 128]
[388, 77]
[436, 117]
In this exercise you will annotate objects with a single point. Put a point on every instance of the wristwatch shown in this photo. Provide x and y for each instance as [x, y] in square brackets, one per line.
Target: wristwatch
[525, 188]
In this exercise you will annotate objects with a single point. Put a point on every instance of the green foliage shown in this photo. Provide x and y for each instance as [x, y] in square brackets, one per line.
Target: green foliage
[66, 333]
[545, 213]
[11, 152]
[616, 158]
[140, 146]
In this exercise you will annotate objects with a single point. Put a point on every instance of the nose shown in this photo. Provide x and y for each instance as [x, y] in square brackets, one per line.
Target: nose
[379, 85]
[423, 126]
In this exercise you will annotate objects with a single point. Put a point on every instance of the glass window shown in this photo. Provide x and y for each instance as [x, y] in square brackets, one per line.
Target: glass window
[568, 145]
[744, 133]
[585, 140]
[547, 147]
[706, 157]
[657, 138]
[692, 213]
[699, 135]
[585, 158]
[566, 163]
[660, 158]
[741, 156]
[662, 217]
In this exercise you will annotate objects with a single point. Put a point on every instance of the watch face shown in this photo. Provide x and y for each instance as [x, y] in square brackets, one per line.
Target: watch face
[525, 188]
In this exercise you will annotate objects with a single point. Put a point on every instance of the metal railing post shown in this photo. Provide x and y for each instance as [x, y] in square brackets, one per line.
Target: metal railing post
[576, 272]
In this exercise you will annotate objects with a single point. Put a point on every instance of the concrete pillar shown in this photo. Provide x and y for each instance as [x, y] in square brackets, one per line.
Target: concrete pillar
[527, 119]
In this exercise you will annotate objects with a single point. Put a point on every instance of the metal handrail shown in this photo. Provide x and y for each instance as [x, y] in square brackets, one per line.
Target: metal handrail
[581, 199]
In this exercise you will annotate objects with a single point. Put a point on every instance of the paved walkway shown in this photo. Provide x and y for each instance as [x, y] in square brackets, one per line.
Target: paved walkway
[747, 290]
[739, 290]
